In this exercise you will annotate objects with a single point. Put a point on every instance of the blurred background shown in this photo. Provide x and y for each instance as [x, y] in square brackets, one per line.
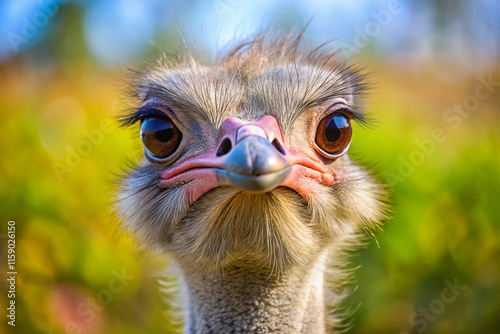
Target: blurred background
[436, 96]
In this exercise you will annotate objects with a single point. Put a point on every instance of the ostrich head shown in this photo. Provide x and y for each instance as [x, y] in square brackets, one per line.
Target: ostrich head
[246, 171]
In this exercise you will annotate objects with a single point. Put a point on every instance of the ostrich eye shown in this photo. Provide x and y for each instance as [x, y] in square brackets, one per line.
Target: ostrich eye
[160, 136]
[334, 135]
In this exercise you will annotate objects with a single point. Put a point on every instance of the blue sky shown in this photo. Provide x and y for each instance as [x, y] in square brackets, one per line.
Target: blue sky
[119, 30]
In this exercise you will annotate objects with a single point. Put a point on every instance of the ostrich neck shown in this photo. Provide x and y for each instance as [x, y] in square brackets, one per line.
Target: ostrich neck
[244, 300]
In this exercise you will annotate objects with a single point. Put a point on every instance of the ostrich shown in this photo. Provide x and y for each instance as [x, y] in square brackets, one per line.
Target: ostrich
[246, 182]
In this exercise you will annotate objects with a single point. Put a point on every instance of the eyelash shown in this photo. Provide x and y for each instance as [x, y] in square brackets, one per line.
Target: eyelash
[342, 108]
[143, 113]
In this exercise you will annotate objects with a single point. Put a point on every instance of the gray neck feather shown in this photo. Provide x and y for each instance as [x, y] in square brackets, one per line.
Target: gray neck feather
[250, 300]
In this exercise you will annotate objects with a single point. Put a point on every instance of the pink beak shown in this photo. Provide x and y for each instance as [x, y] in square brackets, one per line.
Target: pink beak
[252, 162]
[250, 157]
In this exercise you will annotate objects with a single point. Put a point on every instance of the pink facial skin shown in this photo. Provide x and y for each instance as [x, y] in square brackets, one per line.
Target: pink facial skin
[201, 173]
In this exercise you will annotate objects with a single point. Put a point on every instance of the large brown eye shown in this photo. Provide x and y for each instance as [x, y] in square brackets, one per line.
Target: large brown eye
[334, 135]
[160, 137]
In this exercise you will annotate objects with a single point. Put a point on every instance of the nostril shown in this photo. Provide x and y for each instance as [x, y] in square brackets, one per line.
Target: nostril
[224, 147]
[278, 146]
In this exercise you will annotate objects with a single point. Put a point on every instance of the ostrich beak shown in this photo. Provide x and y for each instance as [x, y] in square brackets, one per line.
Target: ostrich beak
[250, 157]
[254, 164]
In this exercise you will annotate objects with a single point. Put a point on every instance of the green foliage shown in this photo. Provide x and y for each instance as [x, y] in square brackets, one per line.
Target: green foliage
[444, 225]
